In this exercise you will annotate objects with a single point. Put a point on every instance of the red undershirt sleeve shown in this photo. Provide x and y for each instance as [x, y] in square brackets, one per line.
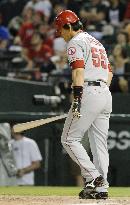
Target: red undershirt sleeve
[77, 64]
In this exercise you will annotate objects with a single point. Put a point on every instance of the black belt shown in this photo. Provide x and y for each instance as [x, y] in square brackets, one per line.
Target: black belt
[95, 83]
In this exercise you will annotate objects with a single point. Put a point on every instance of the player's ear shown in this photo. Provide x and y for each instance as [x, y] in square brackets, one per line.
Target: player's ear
[70, 27]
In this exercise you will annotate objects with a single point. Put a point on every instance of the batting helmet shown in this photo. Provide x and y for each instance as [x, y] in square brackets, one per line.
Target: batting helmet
[65, 17]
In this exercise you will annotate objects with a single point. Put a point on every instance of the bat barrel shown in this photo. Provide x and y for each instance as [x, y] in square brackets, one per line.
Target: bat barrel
[36, 123]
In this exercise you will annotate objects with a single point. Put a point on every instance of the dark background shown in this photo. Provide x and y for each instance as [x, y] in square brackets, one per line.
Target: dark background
[16, 105]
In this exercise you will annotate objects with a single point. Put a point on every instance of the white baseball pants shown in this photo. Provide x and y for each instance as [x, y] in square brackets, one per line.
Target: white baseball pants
[96, 106]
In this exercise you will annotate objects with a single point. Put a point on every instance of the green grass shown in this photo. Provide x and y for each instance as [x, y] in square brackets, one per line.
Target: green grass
[58, 191]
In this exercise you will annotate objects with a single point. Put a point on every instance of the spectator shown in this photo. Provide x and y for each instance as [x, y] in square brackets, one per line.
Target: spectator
[120, 63]
[27, 29]
[8, 168]
[122, 38]
[127, 11]
[95, 12]
[57, 8]
[14, 26]
[127, 30]
[39, 53]
[16, 22]
[4, 37]
[27, 14]
[115, 13]
[4, 34]
[108, 38]
[48, 33]
[44, 6]
[27, 156]
[38, 15]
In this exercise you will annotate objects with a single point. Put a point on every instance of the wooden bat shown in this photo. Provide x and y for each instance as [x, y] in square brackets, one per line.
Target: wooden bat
[32, 124]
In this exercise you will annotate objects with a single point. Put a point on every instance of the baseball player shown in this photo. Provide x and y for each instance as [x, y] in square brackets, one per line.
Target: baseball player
[92, 104]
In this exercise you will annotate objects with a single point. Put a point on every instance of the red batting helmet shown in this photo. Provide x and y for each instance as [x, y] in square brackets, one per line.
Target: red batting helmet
[65, 17]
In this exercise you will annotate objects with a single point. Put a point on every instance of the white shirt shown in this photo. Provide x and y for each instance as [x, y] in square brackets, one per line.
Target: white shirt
[25, 152]
[114, 17]
[83, 50]
[59, 45]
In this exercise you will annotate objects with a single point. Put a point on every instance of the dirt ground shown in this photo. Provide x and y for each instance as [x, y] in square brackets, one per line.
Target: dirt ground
[59, 200]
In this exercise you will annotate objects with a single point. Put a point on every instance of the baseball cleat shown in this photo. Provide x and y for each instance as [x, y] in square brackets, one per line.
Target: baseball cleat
[101, 195]
[94, 195]
[91, 186]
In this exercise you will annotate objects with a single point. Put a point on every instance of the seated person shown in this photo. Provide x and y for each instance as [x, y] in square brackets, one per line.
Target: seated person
[38, 53]
[94, 12]
[115, 13]
[120, 63]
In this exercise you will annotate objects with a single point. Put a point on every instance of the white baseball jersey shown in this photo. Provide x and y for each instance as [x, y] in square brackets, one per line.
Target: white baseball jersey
[84, 51]
[25, 151]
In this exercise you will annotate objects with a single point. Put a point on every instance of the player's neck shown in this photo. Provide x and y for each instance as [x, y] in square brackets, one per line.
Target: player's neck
[74, 33]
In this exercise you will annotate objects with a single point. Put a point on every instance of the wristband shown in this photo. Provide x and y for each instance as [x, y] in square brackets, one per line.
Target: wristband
[77, 92]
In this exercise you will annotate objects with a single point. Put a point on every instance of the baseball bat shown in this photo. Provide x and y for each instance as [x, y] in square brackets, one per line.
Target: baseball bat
[32, 124]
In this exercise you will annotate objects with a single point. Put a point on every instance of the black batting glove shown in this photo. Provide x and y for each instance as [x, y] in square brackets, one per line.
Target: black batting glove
[76, 108]
[77, 92]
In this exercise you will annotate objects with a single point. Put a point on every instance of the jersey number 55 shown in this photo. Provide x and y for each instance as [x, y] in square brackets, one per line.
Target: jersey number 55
[99, 58]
